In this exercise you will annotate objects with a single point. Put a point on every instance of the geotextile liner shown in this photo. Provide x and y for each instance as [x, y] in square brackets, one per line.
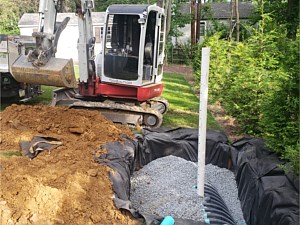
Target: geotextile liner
[39, 143]
[182, 142]
[130, 155]
[267, 196]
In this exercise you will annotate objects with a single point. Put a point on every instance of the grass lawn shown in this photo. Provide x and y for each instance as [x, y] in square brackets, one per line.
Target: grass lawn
[184, 105]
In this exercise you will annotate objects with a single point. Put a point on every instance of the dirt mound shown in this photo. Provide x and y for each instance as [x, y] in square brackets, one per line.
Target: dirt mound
[65, 186]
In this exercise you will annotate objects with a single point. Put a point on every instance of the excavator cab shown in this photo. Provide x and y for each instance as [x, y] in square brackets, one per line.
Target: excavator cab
[133, 47]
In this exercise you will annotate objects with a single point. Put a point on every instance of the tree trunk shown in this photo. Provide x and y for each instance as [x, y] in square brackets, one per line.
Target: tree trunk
[237, 15]
[160, 3]
[292, 18]
[168, 11]
[198, 21]
[193, 38]
[230, 22]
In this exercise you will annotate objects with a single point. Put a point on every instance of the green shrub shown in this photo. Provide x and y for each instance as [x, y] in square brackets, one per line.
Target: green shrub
[9, 17]
[219, 74]
[280, 109]
[257, 81]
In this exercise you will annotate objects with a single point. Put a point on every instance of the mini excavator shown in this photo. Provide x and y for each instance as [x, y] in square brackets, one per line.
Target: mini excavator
[123, 82]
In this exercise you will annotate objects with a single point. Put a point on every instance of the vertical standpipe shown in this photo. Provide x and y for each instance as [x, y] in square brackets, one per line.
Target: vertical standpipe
[202, 120]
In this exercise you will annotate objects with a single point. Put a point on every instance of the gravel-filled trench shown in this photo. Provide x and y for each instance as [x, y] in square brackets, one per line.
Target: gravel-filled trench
[166, 186]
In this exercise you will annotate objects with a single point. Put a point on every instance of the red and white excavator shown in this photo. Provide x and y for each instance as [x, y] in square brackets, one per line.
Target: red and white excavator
[123, 82]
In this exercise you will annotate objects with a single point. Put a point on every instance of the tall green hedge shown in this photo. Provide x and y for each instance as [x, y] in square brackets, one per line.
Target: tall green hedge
[257, 81]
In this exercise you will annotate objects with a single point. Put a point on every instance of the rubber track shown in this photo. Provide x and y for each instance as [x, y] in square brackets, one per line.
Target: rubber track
[109, 105]
[162, 101]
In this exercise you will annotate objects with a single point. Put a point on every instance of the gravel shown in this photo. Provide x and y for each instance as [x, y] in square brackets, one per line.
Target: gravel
[166, 186]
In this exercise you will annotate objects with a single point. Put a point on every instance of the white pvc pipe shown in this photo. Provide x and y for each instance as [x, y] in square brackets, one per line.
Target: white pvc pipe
[202, 120]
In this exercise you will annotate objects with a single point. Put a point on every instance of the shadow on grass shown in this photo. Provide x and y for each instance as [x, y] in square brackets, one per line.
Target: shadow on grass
[175, 118]
[184, 105]
[179, 118]
[180, 101]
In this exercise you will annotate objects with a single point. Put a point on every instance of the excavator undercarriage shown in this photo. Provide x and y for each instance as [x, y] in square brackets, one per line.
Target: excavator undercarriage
[145, 114]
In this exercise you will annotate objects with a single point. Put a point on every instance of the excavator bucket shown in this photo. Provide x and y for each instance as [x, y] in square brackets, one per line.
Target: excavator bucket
[57, 72]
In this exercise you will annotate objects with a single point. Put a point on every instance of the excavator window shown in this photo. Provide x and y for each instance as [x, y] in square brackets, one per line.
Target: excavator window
[149, 46]
[122, 47]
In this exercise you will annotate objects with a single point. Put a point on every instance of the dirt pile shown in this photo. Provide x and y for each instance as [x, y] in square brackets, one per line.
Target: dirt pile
[65, 186]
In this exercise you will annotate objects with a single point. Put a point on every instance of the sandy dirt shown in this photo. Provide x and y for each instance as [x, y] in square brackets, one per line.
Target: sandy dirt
[65, 186]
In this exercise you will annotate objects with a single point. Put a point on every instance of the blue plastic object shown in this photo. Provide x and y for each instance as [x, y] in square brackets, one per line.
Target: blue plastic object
[168, 220]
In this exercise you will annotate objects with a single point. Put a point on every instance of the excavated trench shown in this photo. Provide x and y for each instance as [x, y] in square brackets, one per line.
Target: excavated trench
[66, 185]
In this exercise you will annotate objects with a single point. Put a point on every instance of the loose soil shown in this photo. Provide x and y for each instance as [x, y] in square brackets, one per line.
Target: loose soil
[228, 123]
[65, 186]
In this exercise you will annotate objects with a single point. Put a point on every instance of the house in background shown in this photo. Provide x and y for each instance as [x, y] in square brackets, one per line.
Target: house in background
[213, 11]
[67, 44]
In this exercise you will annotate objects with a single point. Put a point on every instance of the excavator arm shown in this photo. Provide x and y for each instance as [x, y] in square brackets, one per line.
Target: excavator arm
[40, 66]
[86, 40]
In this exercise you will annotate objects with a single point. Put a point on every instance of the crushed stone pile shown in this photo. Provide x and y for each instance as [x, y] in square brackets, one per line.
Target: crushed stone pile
[65, 186]
[166, 186]
[171, 190]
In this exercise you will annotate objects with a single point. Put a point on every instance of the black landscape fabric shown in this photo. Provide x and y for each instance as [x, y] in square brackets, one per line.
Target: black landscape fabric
[278, 202]
[182, 142]
[120, 157]
[130, 155]
[37, 144]
[267, 196]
